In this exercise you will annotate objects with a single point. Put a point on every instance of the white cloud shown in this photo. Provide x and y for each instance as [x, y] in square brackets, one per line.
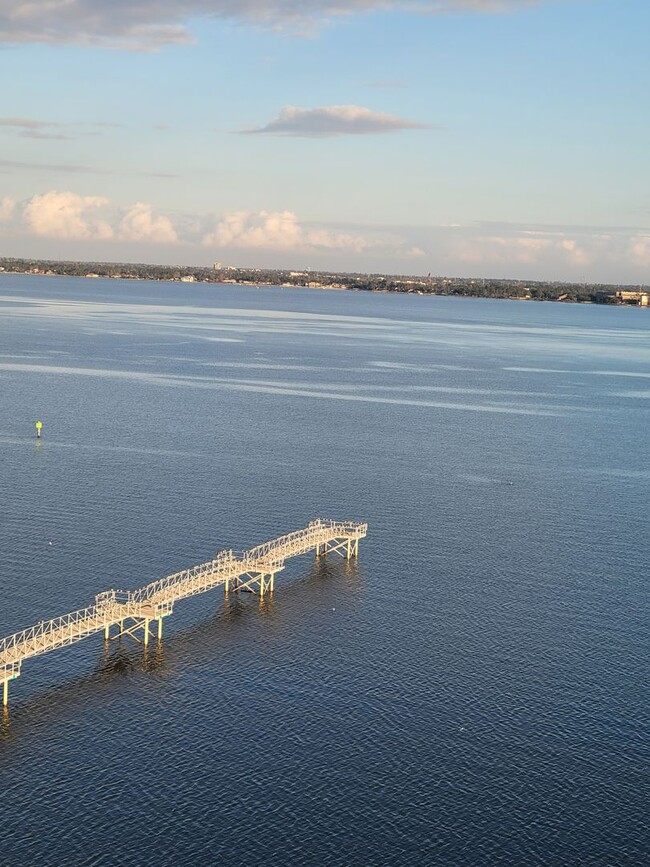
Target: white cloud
[575, 253]
[149, 24]
[7, 208]
[140, 224]
[640, 249]
[277, 230]
[523, 246]
[333, 120]
[67, 215]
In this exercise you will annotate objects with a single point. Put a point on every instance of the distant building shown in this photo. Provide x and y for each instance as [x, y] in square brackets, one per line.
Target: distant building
[638, 299]
[188, 278]
[217, 266]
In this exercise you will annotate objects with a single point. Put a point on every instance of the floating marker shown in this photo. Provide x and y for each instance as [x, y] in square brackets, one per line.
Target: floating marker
[39, 425]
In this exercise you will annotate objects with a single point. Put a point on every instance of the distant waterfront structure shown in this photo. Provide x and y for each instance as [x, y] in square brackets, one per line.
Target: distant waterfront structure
[638, 299]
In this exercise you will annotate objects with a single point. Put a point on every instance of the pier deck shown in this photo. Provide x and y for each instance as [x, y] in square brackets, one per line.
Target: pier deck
[133, 611]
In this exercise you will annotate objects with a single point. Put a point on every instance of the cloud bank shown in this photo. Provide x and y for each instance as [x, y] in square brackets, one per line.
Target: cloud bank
[90, 226]
[576, 251]
[277, 230]
[67, 216]
[150, 24]
[333, 120]
[71, 217]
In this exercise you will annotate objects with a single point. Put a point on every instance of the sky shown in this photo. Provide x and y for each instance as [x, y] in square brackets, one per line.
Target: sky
[478, 138]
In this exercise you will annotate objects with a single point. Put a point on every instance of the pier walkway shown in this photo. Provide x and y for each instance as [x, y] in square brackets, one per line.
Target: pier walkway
[134, 611]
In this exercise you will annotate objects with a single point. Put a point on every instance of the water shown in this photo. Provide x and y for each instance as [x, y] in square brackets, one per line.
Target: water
[470, 692]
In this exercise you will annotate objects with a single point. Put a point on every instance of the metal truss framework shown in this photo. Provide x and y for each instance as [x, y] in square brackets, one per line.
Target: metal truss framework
[253, 571]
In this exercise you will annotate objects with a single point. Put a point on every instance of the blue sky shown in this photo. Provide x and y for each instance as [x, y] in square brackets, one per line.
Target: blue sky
[463, 137]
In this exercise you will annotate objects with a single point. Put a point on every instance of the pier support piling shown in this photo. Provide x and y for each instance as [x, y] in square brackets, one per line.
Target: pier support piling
[267, 583]
[10, 672]
[346, 547]
[262, 582]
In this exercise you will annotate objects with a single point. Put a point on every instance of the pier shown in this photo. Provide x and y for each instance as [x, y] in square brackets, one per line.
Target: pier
[117, 613]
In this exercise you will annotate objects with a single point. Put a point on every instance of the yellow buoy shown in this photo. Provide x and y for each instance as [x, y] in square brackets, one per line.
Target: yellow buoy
[39, 425]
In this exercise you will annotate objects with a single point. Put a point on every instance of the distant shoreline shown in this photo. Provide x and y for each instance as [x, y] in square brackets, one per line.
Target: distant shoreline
[512, 290]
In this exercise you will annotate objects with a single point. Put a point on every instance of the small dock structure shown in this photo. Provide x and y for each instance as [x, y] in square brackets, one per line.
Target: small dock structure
[136, 612]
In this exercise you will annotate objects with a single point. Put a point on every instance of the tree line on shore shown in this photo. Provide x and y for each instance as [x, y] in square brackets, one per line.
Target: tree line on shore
[470, 287]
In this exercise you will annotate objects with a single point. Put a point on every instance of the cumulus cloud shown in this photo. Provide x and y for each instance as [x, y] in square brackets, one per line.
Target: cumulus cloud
[575, 253]
[67, 215]
[574, 247]
[527, 249]
[150, 24]
[333, 120]
[639, 249]
[277, 230]
[7, 208]
[140, 224]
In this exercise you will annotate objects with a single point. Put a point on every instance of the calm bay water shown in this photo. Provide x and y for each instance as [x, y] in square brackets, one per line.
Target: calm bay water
[472, 691]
